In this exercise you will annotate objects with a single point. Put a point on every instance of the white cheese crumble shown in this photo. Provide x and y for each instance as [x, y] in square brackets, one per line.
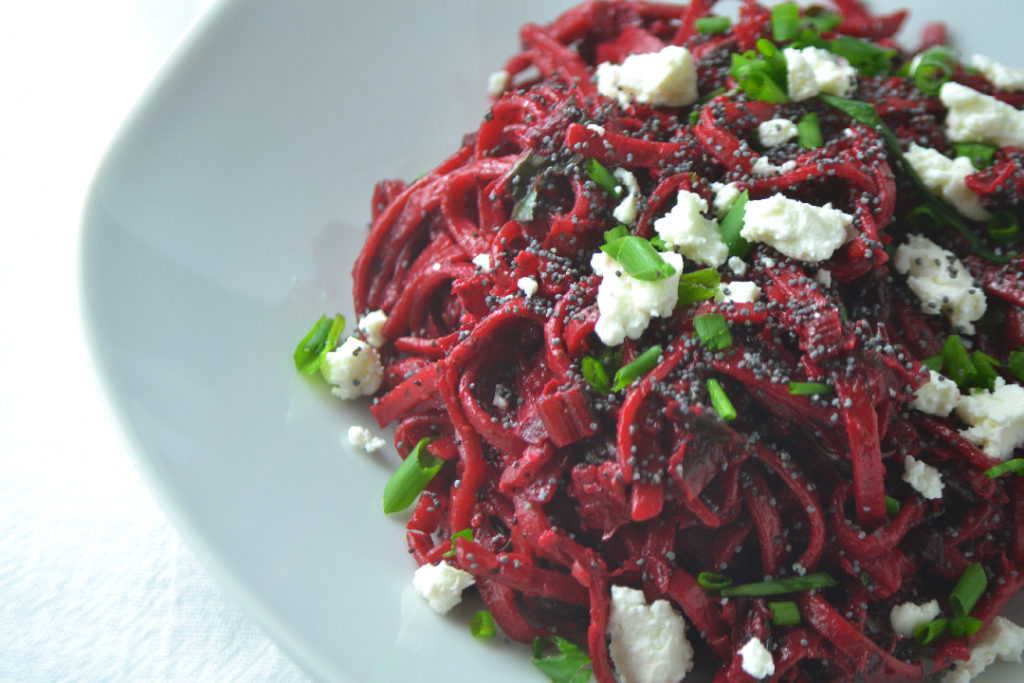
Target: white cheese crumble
[923, 478]
[764, 167]
[648, 642]
[946, 177]
[1002, 76]
[1003, 639]
[353, 369]
[626, 211]
[726, 195]
[813, 70]
[938, 396]
[483, 262]
[441, 585]
[527, 285]
[908, 617]
[775, 132]
[756, 659]
[940, 281]
[800, 231]
[823, 277]
[976, 117]
[738, 292]
[665, 78]
[737, 265]
[372, 325]
[596, 128]
[361, 438]
[685, 229]
[625, 304]
[497, 83]
[996, 418]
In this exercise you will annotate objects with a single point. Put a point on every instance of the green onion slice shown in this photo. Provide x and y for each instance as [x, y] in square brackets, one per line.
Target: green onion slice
[785, 21]
[1014, 466]
[712, 24]
[892, 506]
[320, 340]
[980, 154]
[821, 20]
[636, 368]
[720, 401]
[792, 584]
[570, 665]
[732, 224]
[867, 58]
[784, 613]
[1003, 228]
[713, 581]
[596, 375]
[927, 633]
[465, 533]
[713, 331]
[483, 625]
[616, 233]
[603, 177]
[809, 388]
[933, 363]
[934, 68]
[808, 131]
[957, 362]
[1015, 364]
[411, 477]
[985, 365]
[968, 590]
[697, 286]
[759, 78]
[638, 258]
[964, 627]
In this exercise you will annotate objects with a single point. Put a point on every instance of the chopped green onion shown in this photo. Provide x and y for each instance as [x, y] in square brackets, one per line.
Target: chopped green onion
[320, 340]
[821, 20]
[732, 224]
[792, 584]
[719, 401]
[697, 286]
[759, 78]
[636, 368]
[603, 177]
[964, 627]
[660, 244]
[638, 258]
[935, 67]
[927, 633]
[482, 625]
[1014, 466]
[713, 581]
[808, 132]
[784, 613]
[985, 366]
[980, 154]
[596, 375]
[1015, 364]
[712, 24]
[713, 331]
[957, 362]
[925, 216]
[785, 21]
[411, 477]
[616, 233]
[1003, 228]
[465, 533]
[968, 590]
[809, 388]
[892, 506]
[570, 665]
[867, 58]
[933, 363]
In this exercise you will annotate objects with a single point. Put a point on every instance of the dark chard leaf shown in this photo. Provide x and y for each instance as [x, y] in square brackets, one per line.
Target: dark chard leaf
[712, 24]
[638, 258]
[1003, 228]
[732, 224]
[809, 388]
[980, 154]
[570, 665]
[483, 625]
[784, 613]
[1014, 466]
[785, 21]
[713, 581]
[808, 131]
[793, 584]
[697, 286]
[596, 375]
[317, 343]
[935, 66]
[713, 331]
[636, 368]
[720, 401]
[523, 185]
[411, 477]
[968, 590]
[604, 178]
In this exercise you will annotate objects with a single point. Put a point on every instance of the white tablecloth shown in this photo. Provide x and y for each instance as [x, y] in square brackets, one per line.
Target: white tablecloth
[94, 583]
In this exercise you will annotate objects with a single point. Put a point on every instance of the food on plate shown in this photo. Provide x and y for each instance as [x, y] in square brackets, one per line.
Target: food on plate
[707, 345]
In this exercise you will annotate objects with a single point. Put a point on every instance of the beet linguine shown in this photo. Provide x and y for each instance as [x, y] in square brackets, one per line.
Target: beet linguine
[798, 433]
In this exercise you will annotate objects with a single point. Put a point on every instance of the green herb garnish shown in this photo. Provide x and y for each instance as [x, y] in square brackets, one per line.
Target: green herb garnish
[720, 401]
[1014, 466]
[935, 66]
[785, 21]
[604, 178]
[465, 533]
[968, 590]
[792, 584]
[732, 224]
[638, 258]
[570, 665]
[713, 581]
[808, 131]
[809, 388]
[697, 286]
[411, 477]
[636, 368]
[713, 331]
[712, 24]
[784, 613]
[980, 154]
[317, 343]
[483, 625]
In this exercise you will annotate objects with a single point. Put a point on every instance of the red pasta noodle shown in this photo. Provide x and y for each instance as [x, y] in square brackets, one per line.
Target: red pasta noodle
[569, 489]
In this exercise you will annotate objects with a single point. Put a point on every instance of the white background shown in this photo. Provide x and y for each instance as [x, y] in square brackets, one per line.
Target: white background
[94, 583]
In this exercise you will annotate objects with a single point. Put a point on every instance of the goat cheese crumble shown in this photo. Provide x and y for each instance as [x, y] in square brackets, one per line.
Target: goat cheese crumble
[946, 177]
[996, 418]
[648, 641]
[625, 304]
[906, 618]
[353, 369]
[976, 117]
[940, 281]
[801, 231]
[923, 478]
[441, 585]
[685, 229]
[664, 78]
[813, 70]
